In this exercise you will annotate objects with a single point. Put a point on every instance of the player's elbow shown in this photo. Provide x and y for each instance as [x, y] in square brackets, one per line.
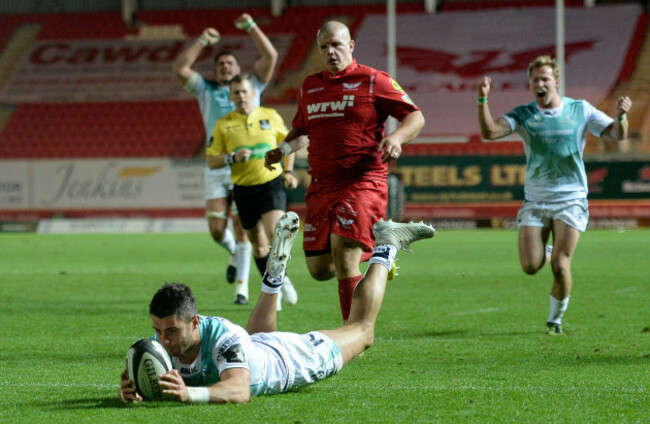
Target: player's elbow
[177, 66]
[615, 135]
[422, 120]
[244, 396]
[418, 121]
[490, 134]
[273, 57]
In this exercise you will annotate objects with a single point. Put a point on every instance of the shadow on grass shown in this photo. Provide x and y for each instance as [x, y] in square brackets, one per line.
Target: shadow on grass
[104, 402]
[471, 334]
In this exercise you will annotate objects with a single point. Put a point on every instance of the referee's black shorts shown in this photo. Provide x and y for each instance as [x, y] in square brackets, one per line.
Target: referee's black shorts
[254, 201]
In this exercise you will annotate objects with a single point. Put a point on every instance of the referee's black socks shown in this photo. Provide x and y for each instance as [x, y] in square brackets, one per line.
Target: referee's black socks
[261, 263]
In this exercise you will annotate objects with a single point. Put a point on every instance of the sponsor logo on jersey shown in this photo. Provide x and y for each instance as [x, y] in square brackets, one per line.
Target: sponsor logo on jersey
[189, 370]
[265, 124]
[235, 354]
[396, 86]
[258, 151]
[351, 86]
[536, 121]
[551, 133]
[315, 90]
[329, 109]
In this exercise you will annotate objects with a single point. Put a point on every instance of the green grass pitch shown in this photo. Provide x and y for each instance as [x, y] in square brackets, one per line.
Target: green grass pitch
[460, 337]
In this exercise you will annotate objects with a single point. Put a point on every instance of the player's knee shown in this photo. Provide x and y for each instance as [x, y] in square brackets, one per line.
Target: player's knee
[321, 274]
[368, 335]
[561, 270]
[260, 250]
[529, 269]
[217, 229]
[217, 234]
[321, 267]
[532, 265]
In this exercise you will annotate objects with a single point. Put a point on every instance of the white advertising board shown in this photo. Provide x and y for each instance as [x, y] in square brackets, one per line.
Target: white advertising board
[101, 184]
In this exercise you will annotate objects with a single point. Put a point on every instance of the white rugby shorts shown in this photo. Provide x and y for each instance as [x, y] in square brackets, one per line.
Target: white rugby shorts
[574, 213]
[307, 357]
[217, 183]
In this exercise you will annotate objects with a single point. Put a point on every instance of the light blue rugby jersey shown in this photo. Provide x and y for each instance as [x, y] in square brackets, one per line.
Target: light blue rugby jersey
[224, 346]
[554, 141]
[214, 102]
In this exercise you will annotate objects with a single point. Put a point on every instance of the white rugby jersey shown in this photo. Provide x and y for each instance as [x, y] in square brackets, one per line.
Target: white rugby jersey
[554, 142]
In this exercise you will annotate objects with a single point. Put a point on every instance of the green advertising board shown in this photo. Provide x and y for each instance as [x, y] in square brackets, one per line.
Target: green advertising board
[458, 179]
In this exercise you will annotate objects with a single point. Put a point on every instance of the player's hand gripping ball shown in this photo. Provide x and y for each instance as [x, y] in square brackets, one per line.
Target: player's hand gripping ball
[146, 360]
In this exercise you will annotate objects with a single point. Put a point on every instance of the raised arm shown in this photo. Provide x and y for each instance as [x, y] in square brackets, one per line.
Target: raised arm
[617, 131]
[490, 129]
[265, 65]
[182, 66]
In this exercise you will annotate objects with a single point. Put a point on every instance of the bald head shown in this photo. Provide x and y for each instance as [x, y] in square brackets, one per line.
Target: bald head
[335, 45]
[332, 27]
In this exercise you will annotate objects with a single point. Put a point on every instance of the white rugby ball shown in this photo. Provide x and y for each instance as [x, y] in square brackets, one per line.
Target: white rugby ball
[146, 360]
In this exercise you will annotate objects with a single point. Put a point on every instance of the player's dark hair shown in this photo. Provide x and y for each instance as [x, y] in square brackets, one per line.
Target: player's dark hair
[173, 299]
[226, 53]
[238, 79]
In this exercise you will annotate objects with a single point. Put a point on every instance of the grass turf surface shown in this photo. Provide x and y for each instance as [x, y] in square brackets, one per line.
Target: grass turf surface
[460, 337]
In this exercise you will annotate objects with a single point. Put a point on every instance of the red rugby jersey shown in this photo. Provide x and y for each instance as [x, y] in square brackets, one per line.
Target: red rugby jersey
[344, 116]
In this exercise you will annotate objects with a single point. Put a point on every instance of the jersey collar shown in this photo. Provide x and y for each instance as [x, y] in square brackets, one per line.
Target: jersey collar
[351, 67]
[552, 112]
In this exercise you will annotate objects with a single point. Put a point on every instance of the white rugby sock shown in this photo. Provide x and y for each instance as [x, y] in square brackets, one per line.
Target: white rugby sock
[228, 241]
[243, 253]
[557, 308]
[272, 285]
[383, 254]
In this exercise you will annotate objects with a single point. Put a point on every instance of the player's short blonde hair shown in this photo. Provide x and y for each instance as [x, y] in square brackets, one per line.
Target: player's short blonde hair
[544, 61]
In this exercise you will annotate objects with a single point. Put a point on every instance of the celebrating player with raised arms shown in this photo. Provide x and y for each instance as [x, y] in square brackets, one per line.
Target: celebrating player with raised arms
[554, 131]
[214, 103]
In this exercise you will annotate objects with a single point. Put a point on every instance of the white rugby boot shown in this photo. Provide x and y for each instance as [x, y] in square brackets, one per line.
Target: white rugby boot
[284, 234]
[401, 235]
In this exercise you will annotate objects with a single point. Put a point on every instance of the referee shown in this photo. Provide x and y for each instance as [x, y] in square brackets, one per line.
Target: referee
[240, 140]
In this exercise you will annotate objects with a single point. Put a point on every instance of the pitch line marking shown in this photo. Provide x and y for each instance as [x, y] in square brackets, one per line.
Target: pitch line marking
[626, 290]
[400, 387]
[476, 311]
[65, 385]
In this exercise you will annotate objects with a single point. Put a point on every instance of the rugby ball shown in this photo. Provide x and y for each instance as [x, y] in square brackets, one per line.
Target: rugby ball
[146, 360]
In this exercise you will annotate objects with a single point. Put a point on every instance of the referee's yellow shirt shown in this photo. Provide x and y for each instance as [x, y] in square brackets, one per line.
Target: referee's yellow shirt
[260, 132]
